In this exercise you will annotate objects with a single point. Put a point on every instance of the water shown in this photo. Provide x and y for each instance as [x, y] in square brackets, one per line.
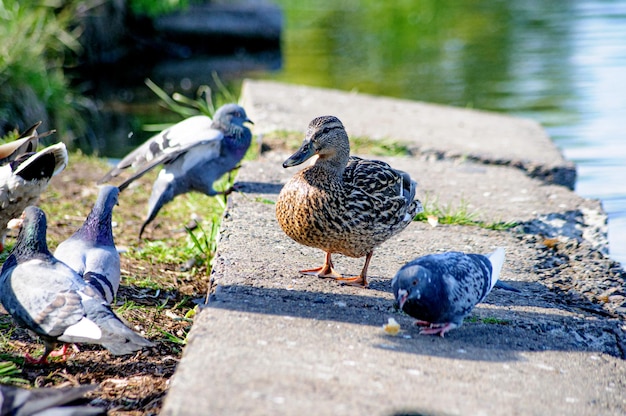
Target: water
[560, 63]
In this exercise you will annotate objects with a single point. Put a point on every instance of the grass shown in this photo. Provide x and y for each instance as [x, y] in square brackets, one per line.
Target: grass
[9, 373]
[458, 215]
[487, 320]
[35, 43]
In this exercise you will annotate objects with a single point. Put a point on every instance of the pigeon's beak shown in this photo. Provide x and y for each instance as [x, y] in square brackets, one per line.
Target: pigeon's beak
[247, 120]
[403, 295]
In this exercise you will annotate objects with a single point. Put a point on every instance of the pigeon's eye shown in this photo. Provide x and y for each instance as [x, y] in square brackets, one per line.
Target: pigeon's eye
[414, 282]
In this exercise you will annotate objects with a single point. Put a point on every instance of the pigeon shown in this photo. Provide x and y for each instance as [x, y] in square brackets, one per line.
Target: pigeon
[441, 289]
[194, 153]
[46, 401]
[90, 251]
[24, 178]
[47, 297]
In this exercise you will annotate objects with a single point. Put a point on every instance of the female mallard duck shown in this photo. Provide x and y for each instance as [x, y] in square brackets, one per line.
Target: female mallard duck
[343, 204]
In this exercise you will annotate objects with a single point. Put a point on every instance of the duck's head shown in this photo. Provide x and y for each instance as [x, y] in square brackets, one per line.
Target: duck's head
[326, 138]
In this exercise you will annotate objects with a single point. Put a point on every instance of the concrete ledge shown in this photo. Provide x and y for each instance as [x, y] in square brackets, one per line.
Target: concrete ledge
[435, 129]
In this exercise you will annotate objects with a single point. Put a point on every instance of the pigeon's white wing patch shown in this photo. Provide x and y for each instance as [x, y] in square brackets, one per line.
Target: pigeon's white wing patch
[85, 328]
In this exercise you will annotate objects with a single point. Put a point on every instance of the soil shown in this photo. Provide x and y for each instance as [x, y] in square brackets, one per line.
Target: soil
[129, 385]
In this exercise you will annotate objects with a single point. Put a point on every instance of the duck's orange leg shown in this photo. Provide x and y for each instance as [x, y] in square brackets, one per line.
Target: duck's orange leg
[360, 280]
[327, 269]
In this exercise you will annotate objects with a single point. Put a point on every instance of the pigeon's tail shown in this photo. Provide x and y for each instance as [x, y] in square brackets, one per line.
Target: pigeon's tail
[497, 261]
[120, 339]
[46, 401]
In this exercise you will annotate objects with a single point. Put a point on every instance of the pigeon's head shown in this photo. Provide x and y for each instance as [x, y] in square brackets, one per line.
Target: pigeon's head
[32, 230]
[409, 283]
[231, 114]
[107, 198]
[326, 138]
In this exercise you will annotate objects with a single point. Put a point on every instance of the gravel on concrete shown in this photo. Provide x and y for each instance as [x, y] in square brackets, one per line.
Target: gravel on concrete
[271, 341]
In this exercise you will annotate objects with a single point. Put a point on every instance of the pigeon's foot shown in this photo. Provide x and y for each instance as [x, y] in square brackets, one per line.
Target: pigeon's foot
[440, 329]
[63, 352]
[29, 359]
[422, 323]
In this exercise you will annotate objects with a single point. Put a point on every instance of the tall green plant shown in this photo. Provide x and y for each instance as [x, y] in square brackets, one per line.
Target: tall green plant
[34, 42]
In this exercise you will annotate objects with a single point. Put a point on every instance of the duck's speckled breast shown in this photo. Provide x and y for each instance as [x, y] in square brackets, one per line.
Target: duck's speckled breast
[314, 211]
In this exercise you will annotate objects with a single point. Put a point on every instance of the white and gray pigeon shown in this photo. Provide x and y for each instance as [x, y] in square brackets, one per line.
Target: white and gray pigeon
[439, 290]
[194, 153]
[23, 179]
[48, 401]
[90, 251]
[47, 297]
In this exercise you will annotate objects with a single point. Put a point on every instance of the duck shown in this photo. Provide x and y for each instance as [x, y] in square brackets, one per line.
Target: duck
[24, 178]
[341, 203]
[194, 154]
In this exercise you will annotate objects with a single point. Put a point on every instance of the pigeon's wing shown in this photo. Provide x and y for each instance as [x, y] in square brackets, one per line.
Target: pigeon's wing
[41, 165]
[165, 147]
[48, 401]
[47, 305]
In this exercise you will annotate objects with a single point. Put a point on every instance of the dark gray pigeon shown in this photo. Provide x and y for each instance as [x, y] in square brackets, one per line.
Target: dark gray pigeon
[194, 153]
[439, 290]
[47, 297]
[90, 251]
[24, 178]
[16, 401]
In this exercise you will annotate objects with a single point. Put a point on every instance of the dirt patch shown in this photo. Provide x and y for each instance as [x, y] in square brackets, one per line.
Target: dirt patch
[153, 298]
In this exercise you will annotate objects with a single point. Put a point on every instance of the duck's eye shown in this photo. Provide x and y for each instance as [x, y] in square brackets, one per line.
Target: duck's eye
[325, 130]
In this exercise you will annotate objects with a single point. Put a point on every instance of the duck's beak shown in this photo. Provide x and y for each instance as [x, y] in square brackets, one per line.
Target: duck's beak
[303, 154]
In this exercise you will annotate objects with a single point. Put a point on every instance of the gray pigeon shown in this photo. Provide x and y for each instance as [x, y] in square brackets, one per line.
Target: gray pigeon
[441, 289]
[194, 153]
[46, 401]
[47, 297]
[90, 251]
[24, 178]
